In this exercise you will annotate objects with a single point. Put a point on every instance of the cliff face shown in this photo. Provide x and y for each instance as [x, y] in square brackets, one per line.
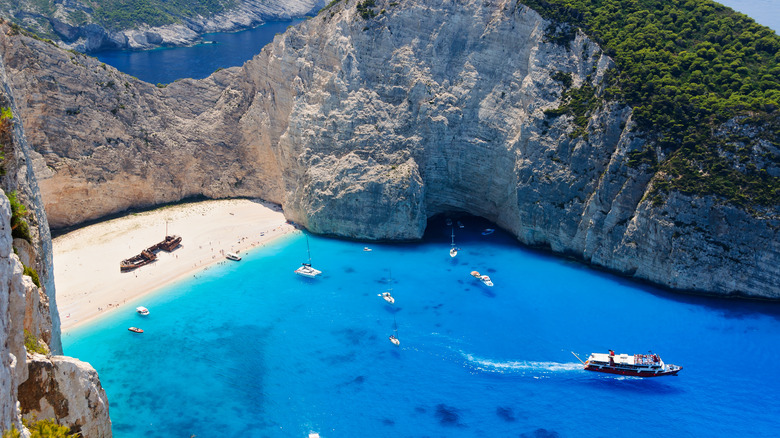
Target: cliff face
[365, 127]
[73, 26]
[28, 313]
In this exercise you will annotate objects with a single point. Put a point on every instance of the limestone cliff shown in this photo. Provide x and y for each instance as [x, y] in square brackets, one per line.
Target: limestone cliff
[365, 121]
[73, 24]
[66, 389]
[28, 314]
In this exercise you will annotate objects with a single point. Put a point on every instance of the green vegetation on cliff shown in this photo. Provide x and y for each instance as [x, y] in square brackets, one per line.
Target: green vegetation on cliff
[42, 429]
[118, 14]
[687, 68]
[127, 14]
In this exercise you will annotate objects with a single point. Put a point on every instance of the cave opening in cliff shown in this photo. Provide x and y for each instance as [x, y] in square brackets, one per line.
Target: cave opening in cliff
[464, 226]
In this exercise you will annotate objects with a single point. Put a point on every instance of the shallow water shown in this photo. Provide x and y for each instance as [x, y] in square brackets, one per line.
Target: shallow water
[219, 50]
[250, 349]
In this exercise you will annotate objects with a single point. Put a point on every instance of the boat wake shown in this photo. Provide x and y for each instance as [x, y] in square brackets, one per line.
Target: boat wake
[519, 367]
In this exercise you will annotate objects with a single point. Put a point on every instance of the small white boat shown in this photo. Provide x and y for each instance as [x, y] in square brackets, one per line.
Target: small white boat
[453, 248]
[232, 256]
[483, 278]
[394, 337]
[389, 298]
[367, 249]
[488, 231]
[142, 311]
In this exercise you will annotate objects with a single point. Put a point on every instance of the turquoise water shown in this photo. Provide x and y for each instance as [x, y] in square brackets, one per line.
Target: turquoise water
[250, 349]
[219, 50]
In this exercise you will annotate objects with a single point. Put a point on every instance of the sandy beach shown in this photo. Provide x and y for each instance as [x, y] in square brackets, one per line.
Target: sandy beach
[86, 261]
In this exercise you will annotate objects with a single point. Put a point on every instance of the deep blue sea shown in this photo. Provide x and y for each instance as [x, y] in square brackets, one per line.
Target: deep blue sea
[219, 50]
[250, 349]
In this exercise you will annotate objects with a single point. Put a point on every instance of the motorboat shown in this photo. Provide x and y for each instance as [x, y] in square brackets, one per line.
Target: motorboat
[488, 231]
[483, 278]
[142, 310]
[232, 256]
[394, 340]
[367, 249]
[387, 297]
[135, 330]
[637, 365]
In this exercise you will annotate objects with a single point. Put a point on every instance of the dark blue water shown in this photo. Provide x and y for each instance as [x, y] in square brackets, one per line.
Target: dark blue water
[219, 50]
[250, 349]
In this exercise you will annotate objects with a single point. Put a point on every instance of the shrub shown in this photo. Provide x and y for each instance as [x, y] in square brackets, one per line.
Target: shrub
[19, 227]
[33, 274]
[49, 429]
[32, 344]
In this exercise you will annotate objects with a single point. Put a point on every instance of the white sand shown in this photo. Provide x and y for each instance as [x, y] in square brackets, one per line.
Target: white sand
[86, 261]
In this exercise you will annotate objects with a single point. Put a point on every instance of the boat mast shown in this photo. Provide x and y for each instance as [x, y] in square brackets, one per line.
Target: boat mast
[307, 248]
[453, 237]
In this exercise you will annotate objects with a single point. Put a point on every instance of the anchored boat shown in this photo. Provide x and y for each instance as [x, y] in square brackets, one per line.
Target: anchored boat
[306, 270]
[638, 365]
[483, 278]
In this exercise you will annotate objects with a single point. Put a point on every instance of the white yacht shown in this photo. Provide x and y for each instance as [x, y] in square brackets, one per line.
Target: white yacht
[232, 256]
[142, 311]
[483, 278]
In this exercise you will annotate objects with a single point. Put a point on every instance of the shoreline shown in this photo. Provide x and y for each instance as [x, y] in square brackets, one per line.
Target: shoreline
[87, 277]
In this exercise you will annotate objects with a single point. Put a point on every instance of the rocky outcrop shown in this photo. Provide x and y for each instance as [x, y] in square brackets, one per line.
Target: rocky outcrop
[28, 316]
[67, 390]
[75, 28]
[365, 127]
[12, 351]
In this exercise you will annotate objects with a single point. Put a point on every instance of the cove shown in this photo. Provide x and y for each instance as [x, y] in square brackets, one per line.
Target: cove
[218, 50]
[251, 349]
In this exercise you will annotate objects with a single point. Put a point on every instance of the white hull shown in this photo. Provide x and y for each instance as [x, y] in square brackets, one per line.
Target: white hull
[308, 271]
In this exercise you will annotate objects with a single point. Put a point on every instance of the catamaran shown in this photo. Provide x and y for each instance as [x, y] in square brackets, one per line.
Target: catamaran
[638, 365]
[453, 248]
[306, 269]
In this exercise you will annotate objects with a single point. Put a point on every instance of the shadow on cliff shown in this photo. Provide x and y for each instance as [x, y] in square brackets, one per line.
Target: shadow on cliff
[730, 307]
